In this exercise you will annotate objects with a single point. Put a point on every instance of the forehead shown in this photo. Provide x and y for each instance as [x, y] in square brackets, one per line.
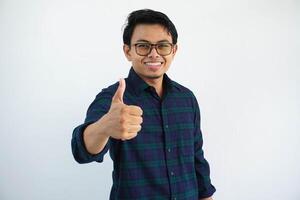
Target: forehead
[150, 32]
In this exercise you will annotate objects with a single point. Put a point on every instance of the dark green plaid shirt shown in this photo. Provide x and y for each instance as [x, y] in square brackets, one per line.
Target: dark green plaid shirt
[165, 161]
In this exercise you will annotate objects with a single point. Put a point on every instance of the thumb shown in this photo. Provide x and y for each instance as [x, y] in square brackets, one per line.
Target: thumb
[118, 97]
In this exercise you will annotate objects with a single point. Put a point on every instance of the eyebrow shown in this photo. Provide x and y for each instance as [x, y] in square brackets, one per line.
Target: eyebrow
[146, 41]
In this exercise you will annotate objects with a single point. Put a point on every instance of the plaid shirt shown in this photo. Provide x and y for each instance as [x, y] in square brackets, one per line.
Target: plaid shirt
[165, 160]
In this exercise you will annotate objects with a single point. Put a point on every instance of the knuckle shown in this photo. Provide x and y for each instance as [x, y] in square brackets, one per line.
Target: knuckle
[140, 110]
[139, 127]
[125, 109]
[133, 135]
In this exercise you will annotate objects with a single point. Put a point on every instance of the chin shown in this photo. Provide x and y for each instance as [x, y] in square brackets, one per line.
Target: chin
[153, 77]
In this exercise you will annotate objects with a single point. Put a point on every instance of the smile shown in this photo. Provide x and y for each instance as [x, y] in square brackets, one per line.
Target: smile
[153, 63]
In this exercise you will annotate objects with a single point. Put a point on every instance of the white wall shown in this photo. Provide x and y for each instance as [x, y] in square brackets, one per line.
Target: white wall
[241, 59]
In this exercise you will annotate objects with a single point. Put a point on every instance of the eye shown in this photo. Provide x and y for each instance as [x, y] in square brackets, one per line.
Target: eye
[144, 46]
[163, 45]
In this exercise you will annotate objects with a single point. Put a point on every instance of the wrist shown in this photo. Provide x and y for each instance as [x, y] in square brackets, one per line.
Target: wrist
[101, 127]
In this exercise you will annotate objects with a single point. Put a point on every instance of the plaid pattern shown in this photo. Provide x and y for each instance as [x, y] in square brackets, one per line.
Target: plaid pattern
[165, 160]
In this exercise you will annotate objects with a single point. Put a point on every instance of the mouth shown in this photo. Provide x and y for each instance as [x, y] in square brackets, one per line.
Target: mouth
[153, 66]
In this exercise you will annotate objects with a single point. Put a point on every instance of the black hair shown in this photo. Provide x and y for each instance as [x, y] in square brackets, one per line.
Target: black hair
[148, 16]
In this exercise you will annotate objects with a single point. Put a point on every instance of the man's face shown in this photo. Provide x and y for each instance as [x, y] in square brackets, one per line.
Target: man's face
[152, 66]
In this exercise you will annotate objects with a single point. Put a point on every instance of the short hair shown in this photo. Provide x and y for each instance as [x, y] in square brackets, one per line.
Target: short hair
[148, 16]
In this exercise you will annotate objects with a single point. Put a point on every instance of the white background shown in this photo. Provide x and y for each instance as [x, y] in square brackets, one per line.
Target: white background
[240, 58]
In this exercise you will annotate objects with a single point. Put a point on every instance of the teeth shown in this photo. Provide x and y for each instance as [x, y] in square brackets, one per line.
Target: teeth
[150, 63]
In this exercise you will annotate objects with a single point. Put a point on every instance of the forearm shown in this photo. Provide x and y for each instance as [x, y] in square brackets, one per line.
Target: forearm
[94, 137]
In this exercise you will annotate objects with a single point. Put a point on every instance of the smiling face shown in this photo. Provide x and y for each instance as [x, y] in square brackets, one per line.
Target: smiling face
[152, 66]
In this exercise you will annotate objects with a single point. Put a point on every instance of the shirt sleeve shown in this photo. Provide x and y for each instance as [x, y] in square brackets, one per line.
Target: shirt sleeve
[205, 188]
[96, 110]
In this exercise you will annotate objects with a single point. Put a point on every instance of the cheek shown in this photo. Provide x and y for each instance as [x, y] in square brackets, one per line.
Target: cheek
[137, 61]
[168, 60]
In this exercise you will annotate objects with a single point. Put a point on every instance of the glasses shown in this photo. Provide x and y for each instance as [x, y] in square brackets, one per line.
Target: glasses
[163, 49]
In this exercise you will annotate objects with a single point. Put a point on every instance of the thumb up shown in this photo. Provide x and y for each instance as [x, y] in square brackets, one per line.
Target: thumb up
[118, 97]
[123, 121]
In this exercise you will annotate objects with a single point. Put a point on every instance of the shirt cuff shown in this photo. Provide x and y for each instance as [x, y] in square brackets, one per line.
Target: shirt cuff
[79, 150]
[208, 192]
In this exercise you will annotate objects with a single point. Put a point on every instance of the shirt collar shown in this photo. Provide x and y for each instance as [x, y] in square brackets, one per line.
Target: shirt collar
[138, 85]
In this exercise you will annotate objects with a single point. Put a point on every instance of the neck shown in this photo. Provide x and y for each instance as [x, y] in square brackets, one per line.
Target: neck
[157, 83]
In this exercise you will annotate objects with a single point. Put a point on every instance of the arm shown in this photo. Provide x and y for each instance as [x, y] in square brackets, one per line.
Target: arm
[121, 122]
[107, 117]
[94, 137]
[205, 188]
[83, 135]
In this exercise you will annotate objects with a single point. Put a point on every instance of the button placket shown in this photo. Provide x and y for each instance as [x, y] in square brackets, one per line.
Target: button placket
[168, 150]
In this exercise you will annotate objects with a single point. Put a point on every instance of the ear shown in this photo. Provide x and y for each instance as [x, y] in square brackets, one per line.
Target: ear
[126, 50]
[175, 49]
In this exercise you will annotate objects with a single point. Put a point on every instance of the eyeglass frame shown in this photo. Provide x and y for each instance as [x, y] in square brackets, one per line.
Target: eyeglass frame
[152, 46]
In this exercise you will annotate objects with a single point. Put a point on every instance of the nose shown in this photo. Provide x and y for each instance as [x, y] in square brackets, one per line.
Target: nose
[153, 53]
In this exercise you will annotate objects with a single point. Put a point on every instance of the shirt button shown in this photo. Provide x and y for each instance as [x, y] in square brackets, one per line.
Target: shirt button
[167, 126]
[174, 198]
[169, 150]
[172, 174]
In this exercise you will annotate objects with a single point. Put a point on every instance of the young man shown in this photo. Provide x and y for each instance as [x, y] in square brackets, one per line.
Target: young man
[149, 123]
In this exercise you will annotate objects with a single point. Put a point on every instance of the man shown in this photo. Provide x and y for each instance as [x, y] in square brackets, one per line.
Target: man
[149, 123]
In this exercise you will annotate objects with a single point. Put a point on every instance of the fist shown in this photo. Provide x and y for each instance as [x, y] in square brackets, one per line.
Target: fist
[123, 121]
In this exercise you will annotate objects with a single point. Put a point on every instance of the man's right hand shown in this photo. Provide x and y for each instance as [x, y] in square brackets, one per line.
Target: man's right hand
[122, 121]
